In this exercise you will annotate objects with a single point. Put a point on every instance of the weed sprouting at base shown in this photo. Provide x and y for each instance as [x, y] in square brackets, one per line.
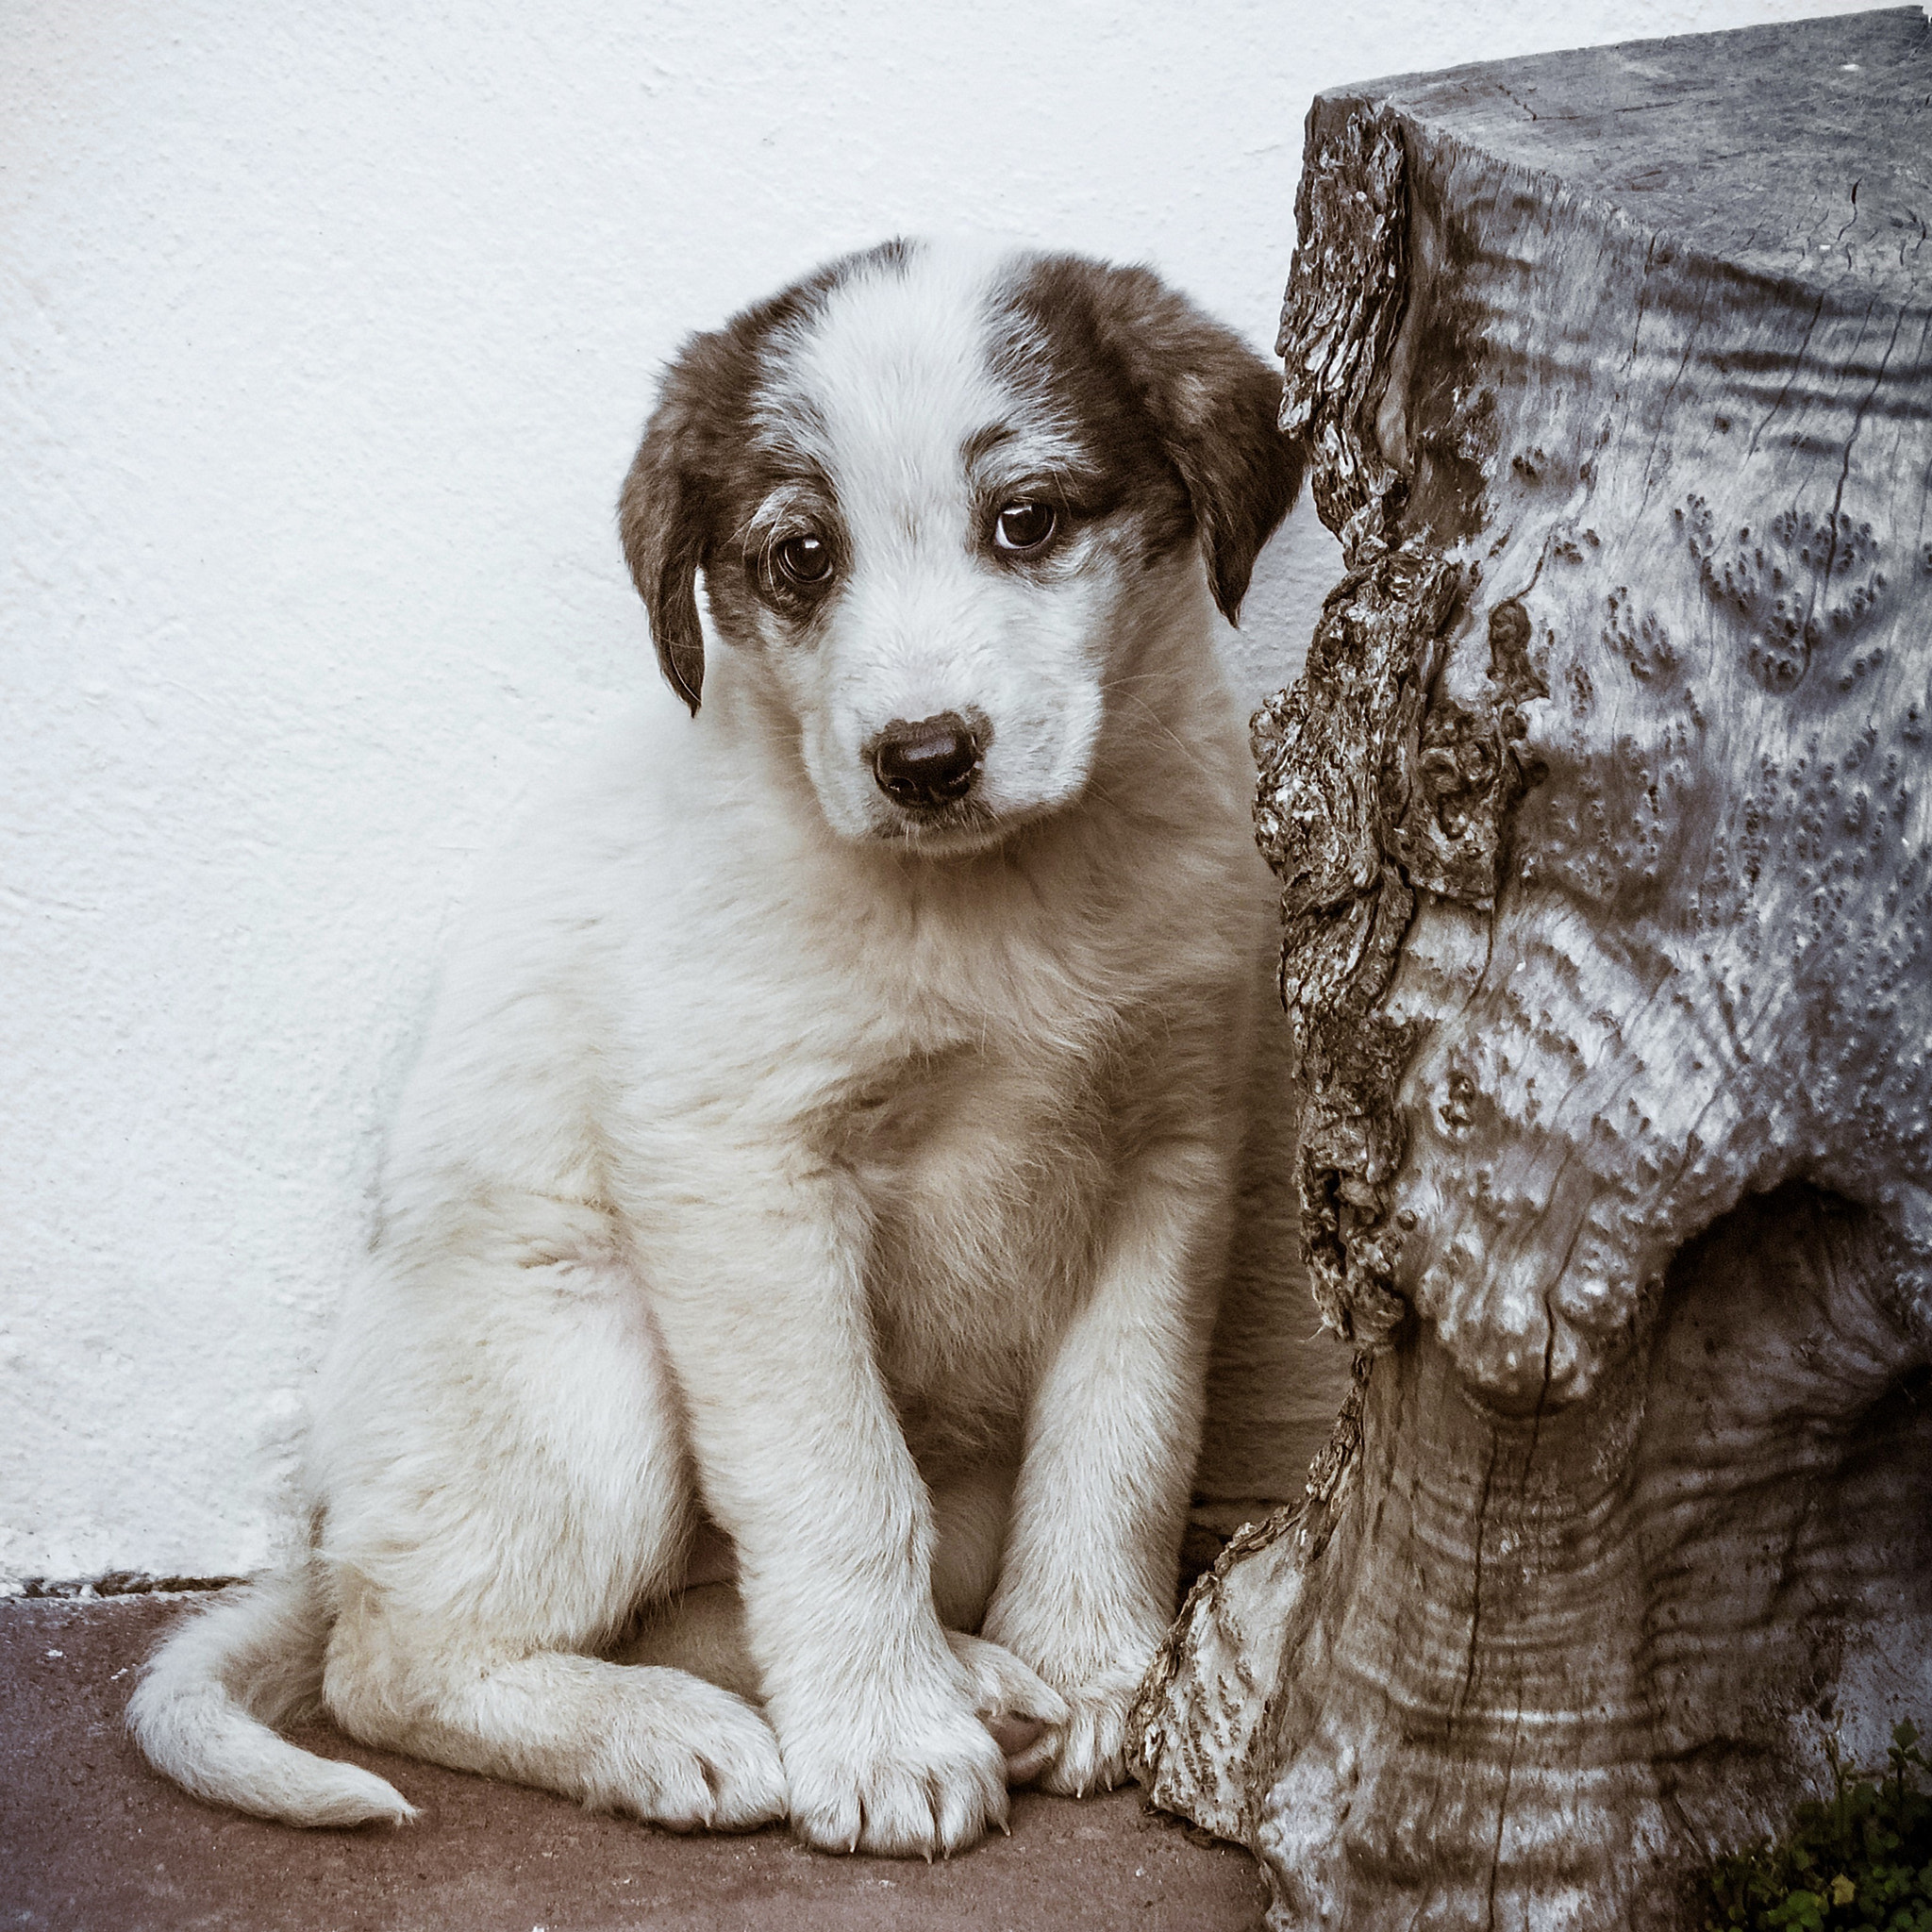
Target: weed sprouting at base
[1863, 1859]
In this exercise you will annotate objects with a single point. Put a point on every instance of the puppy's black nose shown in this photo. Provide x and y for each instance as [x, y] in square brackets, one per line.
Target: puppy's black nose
[932, 762]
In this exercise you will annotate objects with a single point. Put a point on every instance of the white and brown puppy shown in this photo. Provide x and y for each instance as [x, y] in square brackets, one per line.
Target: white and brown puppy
[775, 1380]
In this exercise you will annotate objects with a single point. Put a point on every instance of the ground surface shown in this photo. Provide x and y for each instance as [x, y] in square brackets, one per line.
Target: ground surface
[90, 1839]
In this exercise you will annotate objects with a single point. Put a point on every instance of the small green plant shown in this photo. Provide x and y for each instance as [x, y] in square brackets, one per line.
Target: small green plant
[1862, 1860]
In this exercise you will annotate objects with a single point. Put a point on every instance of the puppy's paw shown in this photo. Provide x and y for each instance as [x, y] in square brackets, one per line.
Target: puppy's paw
[693, 1758]
[1089, 1752]
[925, 1777]
[1016, 1704]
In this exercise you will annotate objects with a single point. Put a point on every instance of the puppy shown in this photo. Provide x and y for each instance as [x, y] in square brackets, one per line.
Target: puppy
[775, 1379]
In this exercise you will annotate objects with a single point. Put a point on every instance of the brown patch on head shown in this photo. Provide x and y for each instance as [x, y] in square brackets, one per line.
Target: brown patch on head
[1176, 413]
[704, 465]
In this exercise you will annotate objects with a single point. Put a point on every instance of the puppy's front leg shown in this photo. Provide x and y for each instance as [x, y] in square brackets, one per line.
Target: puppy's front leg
[760, 1299]
[1086, 1588]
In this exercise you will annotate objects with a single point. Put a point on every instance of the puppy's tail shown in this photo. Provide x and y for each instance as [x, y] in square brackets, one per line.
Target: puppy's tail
[206, 1702]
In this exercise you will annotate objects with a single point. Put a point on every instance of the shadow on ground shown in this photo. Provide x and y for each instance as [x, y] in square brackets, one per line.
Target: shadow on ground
[90, 1840]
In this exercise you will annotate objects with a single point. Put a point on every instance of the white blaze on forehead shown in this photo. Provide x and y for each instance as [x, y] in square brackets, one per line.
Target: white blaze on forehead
[894, 375]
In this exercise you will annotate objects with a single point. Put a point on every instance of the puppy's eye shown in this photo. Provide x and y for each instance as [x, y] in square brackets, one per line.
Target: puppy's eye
[806, 560]
[1023, 526]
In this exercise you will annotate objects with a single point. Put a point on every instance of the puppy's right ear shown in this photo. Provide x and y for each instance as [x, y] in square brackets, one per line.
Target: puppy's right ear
[661, 515]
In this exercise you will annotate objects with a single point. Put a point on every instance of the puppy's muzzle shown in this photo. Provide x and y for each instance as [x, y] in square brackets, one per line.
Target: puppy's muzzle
[931, 763]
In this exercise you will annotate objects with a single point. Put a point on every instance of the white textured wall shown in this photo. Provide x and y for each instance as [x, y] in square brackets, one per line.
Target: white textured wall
[328, 330]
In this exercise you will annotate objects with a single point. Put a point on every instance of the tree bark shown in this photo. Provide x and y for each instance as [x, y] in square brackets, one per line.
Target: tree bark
[1602, 813]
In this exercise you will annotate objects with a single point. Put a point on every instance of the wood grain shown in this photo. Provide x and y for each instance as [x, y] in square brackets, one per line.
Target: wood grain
[1604, 819]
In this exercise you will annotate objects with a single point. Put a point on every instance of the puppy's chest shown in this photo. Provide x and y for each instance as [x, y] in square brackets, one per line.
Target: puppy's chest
[986, 1177]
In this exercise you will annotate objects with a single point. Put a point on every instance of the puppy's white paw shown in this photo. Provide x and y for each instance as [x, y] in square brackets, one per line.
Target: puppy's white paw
[1017, 1706]
[1089, 1752]
[691, 1756]
[909, 1779]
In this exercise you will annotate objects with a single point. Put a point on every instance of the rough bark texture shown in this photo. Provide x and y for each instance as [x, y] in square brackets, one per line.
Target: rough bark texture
[1604, 818]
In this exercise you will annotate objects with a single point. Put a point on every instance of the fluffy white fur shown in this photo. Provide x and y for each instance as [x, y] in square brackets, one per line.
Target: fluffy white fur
[774, 1384]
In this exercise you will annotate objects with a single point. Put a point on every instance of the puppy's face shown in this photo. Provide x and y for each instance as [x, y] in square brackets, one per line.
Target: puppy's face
[936, 499]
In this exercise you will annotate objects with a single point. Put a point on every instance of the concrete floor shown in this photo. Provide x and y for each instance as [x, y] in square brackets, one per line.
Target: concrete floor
[90, 1840]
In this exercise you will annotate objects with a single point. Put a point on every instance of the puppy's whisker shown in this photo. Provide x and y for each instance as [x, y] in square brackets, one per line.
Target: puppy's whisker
[1153, 718]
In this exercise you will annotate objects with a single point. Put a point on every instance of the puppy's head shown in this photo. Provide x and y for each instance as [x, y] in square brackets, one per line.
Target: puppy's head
[937, 499]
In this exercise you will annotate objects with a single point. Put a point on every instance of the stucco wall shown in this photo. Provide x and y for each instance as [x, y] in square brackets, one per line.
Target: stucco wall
[328, 329]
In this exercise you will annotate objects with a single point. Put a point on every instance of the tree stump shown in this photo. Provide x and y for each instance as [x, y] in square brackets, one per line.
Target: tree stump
[1604, 818]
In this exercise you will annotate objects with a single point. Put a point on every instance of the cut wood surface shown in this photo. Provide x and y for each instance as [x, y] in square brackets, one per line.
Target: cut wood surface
[1603, 814]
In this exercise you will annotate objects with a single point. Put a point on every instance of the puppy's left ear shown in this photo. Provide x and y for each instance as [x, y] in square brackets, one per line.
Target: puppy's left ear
[662, 514]
[1214, 404]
